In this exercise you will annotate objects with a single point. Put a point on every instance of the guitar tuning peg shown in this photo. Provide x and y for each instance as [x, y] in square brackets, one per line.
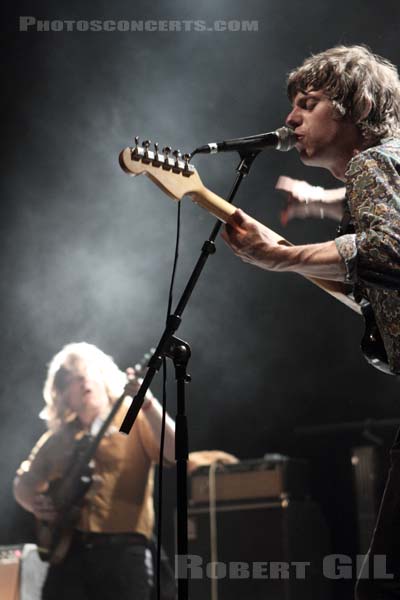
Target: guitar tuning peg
[187, 169]
[135, 150]
[186, 157]
[176, 168]
[167, 164]
[156, 159]
[146, 146]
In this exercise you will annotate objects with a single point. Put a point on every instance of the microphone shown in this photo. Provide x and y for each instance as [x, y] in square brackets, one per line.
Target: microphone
[282, 139]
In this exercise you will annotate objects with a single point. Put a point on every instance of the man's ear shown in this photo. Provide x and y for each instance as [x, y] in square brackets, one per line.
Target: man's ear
[366, 111]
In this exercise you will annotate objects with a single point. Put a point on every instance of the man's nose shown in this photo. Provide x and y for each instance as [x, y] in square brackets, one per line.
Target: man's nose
[84, 380]
[293, 119]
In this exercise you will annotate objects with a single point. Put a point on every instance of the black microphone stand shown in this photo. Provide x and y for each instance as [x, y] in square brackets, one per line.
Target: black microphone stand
[179, 351]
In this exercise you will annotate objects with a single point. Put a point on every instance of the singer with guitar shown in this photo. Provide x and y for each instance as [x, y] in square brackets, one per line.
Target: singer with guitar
[346, 118]
[90, 487]
[101, 547]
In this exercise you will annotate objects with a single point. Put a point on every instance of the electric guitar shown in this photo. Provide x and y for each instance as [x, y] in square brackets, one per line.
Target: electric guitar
[176, 177]
[68, 491]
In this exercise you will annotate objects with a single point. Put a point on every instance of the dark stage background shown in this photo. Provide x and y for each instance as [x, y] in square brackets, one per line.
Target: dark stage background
[87, 251]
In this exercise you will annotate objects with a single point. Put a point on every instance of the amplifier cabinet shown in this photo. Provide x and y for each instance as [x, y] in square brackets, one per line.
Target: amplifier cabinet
[257, 545]
[251, 479]
[10, 558]
[22, 573]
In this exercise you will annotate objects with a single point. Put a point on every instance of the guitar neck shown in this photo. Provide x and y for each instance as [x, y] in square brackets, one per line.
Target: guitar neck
[223, 210]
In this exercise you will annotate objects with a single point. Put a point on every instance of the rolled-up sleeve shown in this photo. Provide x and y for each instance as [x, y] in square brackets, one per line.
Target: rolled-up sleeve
[372, 253]
[347, 247]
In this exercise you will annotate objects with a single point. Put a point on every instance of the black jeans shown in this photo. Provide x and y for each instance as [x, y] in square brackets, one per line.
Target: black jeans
[385, 541]
[102, 567]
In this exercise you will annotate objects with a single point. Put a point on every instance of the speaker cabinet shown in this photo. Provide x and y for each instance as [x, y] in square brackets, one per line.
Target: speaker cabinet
[22, 573]
[370, 467]
[254, 554]
[10, 557]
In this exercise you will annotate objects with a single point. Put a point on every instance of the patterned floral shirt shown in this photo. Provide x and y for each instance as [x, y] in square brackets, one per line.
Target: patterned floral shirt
[372, 252]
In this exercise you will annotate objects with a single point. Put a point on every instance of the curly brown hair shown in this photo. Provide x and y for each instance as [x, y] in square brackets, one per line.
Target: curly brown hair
[354, 79]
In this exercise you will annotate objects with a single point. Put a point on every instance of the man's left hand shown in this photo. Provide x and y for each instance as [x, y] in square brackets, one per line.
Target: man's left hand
[253, 242]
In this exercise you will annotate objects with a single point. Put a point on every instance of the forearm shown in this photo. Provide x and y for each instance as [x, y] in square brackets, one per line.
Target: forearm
[305, 200]
[313, 260]
[332, 203]
[32, 497]
[257, 244]
[153, 413]
[24, 493]
[203, 458]
[321, 210]
[332, 196]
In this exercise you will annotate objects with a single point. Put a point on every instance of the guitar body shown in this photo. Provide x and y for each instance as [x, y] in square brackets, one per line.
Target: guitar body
[67, 494]
[53, 542]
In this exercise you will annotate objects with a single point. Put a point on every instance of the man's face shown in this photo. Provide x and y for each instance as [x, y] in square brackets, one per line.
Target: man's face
[324, 138]
[84, 392]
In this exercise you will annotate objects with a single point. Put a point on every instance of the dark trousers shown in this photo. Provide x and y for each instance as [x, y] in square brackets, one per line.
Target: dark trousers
[385, 541]
[102, 567]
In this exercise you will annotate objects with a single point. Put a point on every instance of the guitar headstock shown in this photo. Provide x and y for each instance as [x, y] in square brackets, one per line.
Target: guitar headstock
[169, 170]
[142, 365]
